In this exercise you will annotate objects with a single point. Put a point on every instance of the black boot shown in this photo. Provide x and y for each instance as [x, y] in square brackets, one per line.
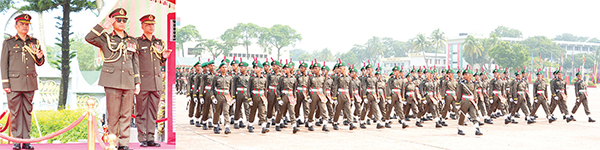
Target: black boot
[453, 116]
[268, 124]
[460, 132]
[295, 130]
[443, 123]
[277, 128]
[362, 126]
[210, 125]
[407, 119]
[272, 122]
[306, 124]
[404, 125]
[345, 122]
[330, 121]
[311, 128]
[352, 127]
[242, 124]
[488, 121]
[481, 123]
[387, 125]
[335, 126]
[355, 121]
[236, 126]
[591, 120]
[216, 129]
[152, 144]
[477, 132]
[264, 130]
[517, 115]
[283, 126]
[379, 126]
[204, 126]
[300, 122]
[514, 121]
[438, 125]
[198, 124]
[17, 146]
[227, 131]
[124, 148]
[285, 120]
[143, 144]
[418, 124]
[552, 119]
[251, 129]
[318, 123]
[191, 121]
[530, 121]
[368, 122]
[325, 129]
[507, 121]
[394, 117]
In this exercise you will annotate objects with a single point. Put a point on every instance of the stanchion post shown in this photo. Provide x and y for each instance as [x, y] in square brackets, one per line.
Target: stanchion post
[112, 142]
[91, 114]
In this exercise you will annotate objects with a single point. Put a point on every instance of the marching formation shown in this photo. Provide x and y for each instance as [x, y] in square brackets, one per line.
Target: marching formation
[277, 93]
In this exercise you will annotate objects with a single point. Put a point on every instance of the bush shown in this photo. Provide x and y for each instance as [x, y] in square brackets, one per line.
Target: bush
[51, 121]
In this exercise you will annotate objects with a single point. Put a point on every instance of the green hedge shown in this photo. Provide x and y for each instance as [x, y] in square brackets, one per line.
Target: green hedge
[52, 121]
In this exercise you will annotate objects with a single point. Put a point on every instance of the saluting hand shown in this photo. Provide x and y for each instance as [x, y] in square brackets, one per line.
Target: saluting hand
[108, 23]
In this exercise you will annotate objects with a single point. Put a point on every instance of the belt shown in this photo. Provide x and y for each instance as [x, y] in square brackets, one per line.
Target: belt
[301, 88]
[410, 93]
[467, 97]
[241, 89]
[258, 91]
[520, 92]
[287, 91]
[508, 89]
[478, 90]
[370, 90]
[272, 87]
[396, 90]
[355, 91]
[316, 90]
[343, 90]
[496, 92]
[327, 91]
[541, 92]
[581, 91]
[222, 90]
[207, 87]
[450, 92]
[380, 90]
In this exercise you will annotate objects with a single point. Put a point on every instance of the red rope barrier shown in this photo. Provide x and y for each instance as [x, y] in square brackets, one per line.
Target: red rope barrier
[49, 136]
[157, 121]
[5, 125]
[98, 136]
[4, 113]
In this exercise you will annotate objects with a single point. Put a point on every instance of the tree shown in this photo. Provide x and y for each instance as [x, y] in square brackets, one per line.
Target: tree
[86, 54]
[510, 55]
[372, 50]
[542, 45]
[349, 57]
[296, 53]
[6, 5]
[278, 36]
[570, 37]
[395, 48]
[214, 47]
[438, 41]
[187, 33]
[245, 33]
[472, 49]
[323, 55]
[420, 44]
[503, 31]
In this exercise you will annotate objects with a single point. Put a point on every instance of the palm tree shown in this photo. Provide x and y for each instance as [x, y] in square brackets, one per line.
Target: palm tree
[420, 44]
[438, 41]
[472, 47]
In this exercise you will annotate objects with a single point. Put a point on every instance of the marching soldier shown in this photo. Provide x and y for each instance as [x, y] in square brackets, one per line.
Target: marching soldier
[328, 86]
[541, 96]
[343, 86]
[152, 54]
[430, 100]
[178, 80]
[468, 105]
[395, 85]
[482, 102]
[222, 91]
[193, 105]
[553, 102]
[355, 86]
[241, 84]
[519, 94]
[317, 97]
[19, 77]
[120, 87]
[287, 83]
[582, 97]
[560, 94]
[302, 94]
[273, 83]
[371, 103]
[258, 85]
[207, 98]
[450, 97]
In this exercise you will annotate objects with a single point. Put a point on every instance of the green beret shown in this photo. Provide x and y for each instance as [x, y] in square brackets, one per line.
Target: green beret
[341, 64]
[204, 64]
[266, 63]
[286, 66]
[368, 66]
[539, 73]
[506, 71]
[245, 64]
[377, 72]
[257, 64]
[291, 64]
[325, 68]
[210, 62]
[275, 63]
[235, 62]
[467, 71]
[222, 63]
[517, 73]
[303, 65]
[317, 65]
[391, 73]
[362, 68]
[408, 75]
[353, 70]
[578, 73]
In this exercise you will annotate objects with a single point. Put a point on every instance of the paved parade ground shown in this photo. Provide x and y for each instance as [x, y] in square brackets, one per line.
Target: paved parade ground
[579, 134]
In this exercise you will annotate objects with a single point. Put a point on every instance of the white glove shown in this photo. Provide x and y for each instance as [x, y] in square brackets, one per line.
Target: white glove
[535, 101]
[195, 100]
[511, 100]
[443, 102]
[555, 97]
[214, 100]
[201, 100]
[366, 101]
[233, 101]
[250, 103]
[424, 101]
[491, 100]
[376, 100]
[516, 101]
[309, 100]
[389, 101]
[578, 100]
[280, 102]
[404, 103]
[335, 102]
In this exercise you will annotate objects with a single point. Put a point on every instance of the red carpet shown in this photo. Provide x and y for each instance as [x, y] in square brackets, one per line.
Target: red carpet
[83, 146]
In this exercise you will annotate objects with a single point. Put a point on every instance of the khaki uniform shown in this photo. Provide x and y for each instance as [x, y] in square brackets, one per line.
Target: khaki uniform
[258, 85]
[450, 97]
[541, 97]
[371, 106]
[221, 90]
[343, 86]
[355, 85]
[241, 84]
[482, 102]
[302, 96]
[194, 107]
[560, 87]
[328, 86]
[208, 94]
[151, 86]
[519, 94]
[316, 88]
[466, 94]
[412, 99]
[273, 83]
[429, 91]
[119, 76]
[581, 92]
[497, 86]
[395, 85]
[19, 74]
[553, 102]
[287, 84]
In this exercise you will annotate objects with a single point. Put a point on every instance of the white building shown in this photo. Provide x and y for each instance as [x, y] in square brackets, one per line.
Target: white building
[238, 51]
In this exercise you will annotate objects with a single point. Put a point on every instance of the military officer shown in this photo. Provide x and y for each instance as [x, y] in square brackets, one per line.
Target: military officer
[541, 96]
[582, 97]
[19, 77]
[468, 105]
[152, 55]
[193, 105]
[118, 49]
[222, 91]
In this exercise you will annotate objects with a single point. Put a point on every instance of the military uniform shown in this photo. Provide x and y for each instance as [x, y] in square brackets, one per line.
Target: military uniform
[272, 95]
[18, 62]
[222, 92]
[207, 98]
[120, 74]
[287, 84]
[371, 103]
[395, 85]
[355, 85]
[241, 84]
[150, 54]
[541, 98]
[258, 85]
[450, 97]
[302, 94]
[560, 95]
[317, 99]
[468, 105]
[343, 86]
[519, 94]
[582, 98]
[430, 102]
[412, 96]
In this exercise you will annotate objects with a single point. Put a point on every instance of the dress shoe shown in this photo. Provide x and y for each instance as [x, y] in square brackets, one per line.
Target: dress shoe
[264, 130]
[514, 121]
[535, 116]
[143, 144]
[352, 127]
[530, 121]
[17, 146]
[591, 120]
[217, 131]
[345, 122]
[564, 117]
[236, 126]
[404, 125]
[268, 124]
[204, 126]
[251, 129]
[300, 121]
[438, 125]
[355, 121]
[488, 121]
[481, 123]
[517, 115]
[242, 124]
[453, 116]
[318, 124]
[210, 125]
[407, 119]
[306, 124]
[477, 132]
[379, 126]
[283, 126]
[124, 148]
[191, 121]
[295, 130]
[152, 144]
[569, 119]
[325, 129]
[227, 131]
[330, 120]
[198, 124]
[460, 132]
[27, 146]
[231, 122]
[394, 117]
[552, 119]
[418, 124]
[387, 125]
[311, 128]
[362, 126]
[506, 121]
[335, 127]
[272, 121]
[277, 128]
[444, 123]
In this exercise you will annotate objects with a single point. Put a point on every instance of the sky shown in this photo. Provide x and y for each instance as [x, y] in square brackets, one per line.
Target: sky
[338, 25]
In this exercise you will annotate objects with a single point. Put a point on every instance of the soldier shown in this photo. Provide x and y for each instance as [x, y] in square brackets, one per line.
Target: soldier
[371, 103]
[119, 88]
[482, 102]
[395, 85]
[302, 94]
[553, 102]
[450, 97]
[382, 93]
[241, 84]
[582, 97]
[541, 96]
[410, 91]
[287, 83]
[430, 101]
[343, 86]
[317, 97]
[355, 86]
[18, 80]
[519, 94]
[466, 93]
[328, 86]
[185, 88]
[153, 54]
[258, 85]
[560, 95]
[207, 98]
[233, 72]
[193, 105]
[272, 83]
[222, 91]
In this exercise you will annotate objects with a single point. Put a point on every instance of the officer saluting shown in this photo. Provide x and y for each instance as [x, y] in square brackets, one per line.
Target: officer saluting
[120, 75]
[19, 77]
[152, 54]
